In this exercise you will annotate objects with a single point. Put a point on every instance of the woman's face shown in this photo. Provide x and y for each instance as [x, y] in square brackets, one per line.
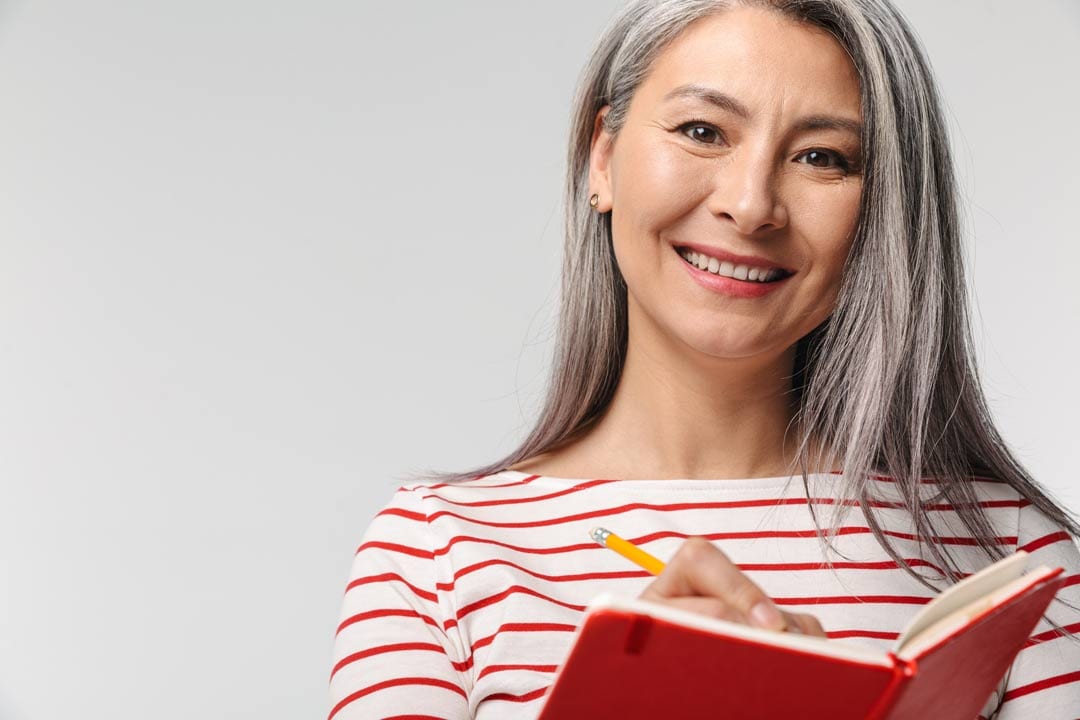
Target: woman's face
[765, 176]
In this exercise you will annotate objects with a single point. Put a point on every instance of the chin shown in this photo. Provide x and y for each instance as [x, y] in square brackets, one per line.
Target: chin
[728, 344]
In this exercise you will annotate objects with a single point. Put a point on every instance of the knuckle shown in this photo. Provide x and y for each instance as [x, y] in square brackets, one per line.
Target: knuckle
[746, 595]
[696, 549]
[722, 610]
[692, 548]
[742, 591]
[808, 624]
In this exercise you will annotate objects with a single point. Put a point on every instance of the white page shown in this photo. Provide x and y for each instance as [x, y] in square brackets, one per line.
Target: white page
[962, 593]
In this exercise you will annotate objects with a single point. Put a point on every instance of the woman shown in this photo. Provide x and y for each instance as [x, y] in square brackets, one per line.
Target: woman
[762, 281]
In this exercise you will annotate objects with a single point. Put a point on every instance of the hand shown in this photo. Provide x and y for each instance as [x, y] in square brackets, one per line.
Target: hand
[702, 579]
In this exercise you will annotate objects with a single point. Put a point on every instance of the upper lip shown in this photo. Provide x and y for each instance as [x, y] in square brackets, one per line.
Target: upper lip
[722, 255]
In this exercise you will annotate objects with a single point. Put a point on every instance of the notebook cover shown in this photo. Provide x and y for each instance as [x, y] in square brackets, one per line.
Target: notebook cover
[633, 666]
[956, 676]
[636, 667]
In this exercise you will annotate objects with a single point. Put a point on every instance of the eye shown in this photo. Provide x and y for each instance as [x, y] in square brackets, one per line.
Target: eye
[710, 131]
[823, 158]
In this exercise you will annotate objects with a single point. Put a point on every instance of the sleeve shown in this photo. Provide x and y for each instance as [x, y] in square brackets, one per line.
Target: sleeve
[1044, 679]
[395, 656]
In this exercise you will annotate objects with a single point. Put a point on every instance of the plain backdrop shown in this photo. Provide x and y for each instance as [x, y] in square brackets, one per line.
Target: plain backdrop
[262, 258]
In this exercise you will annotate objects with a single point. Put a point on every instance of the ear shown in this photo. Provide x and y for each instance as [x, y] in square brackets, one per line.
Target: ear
[600, 152]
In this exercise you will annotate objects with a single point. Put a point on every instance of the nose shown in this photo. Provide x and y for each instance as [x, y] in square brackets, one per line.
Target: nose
[745, 192]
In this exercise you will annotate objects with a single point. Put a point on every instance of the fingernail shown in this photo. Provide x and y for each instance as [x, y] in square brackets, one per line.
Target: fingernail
[766, 615]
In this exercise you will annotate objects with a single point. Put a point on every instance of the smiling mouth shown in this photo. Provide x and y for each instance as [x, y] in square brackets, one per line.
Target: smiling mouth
[724, 268]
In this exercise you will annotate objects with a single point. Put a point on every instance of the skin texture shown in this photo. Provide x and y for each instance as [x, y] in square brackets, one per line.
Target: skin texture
[704, 392]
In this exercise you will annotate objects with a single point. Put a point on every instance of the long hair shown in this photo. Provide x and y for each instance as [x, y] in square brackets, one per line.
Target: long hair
[888, 383]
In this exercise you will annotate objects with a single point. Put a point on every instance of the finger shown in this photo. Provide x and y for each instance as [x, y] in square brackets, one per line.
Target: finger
[700, 568]
[793, 624]
[812, 626]
[712, 607]
[804, 624]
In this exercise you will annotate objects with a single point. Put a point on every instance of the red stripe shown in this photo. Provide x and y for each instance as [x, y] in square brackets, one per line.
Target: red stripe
[1044, 684]
[658, 507]
[501, 668]
[737, 503]
[1051, 634]
[512, 590]
[1045, 540]
[620, 509]
[386, 577]
[515, 501]
[449, 586]
[849, 530]
[880, 478]
[394, 647]
[849, 599]
[877, 634]
[466, 483]
[623, 574]
[396, 682]
[927, 480]
[807, 600]
[398, 548]
[402, 512]
[982, 503]
[523, 698]
[460, 665]
[846, 530]
[521, 627]
[877, 565]
[392, 612]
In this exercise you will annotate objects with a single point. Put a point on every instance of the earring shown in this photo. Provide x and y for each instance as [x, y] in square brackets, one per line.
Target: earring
[594, 200]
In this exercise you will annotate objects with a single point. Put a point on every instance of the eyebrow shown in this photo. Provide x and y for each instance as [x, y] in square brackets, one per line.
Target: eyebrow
[726, 102]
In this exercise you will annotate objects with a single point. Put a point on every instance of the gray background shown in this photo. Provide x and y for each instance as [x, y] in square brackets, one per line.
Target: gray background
[261, 258]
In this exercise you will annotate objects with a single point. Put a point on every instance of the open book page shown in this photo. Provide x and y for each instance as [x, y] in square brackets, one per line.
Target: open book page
[966, 614]
[966, 591]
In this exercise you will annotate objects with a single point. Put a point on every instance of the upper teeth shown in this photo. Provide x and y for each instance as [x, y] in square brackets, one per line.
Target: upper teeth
[731, 270]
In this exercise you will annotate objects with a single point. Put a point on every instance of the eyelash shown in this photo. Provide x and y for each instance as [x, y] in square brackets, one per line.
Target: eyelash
[840, 161]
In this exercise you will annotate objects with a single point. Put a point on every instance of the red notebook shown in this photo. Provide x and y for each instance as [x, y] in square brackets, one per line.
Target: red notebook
[633, 659]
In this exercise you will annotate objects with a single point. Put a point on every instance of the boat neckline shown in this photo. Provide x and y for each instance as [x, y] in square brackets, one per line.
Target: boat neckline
[774, 481]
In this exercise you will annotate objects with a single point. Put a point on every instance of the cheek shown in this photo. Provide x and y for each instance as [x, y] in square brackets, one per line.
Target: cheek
[652, 193]
[657, 182]
[826, 216]
[829, 228]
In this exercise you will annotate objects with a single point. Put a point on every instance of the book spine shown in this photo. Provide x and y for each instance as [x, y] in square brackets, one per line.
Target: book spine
[902, 671]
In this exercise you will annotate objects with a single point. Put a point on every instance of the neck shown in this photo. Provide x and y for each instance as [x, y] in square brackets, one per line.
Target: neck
[678, 413]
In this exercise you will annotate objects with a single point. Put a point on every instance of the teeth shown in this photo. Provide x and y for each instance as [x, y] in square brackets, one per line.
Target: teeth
[727, 269]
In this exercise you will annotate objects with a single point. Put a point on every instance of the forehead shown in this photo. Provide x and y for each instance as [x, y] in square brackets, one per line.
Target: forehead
[765, 59]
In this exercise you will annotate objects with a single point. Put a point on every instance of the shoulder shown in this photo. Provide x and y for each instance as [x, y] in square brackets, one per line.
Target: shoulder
[1016, 515]
[421, 504]
[1039, 532]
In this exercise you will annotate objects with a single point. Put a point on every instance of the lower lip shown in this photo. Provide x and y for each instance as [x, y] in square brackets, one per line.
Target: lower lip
[730, 286]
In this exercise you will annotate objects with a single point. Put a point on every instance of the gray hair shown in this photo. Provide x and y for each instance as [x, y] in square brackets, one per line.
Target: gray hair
[888, 383]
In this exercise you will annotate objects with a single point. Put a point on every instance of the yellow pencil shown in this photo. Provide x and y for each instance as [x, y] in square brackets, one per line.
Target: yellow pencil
[628, 550]
[632, 552]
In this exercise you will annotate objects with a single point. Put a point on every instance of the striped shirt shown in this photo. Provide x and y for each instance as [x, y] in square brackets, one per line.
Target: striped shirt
[463, 598]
